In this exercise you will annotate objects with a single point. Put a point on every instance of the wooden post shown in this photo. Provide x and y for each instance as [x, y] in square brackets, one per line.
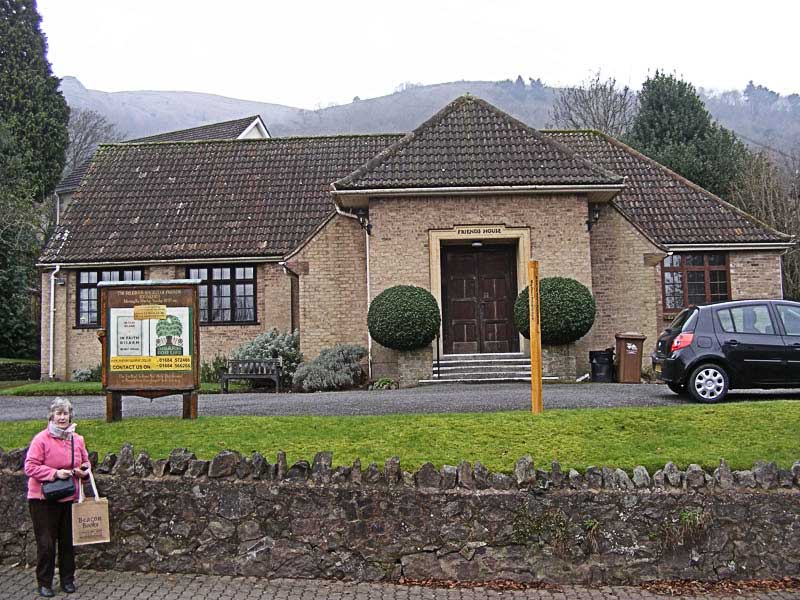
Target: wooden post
[190, 405]
[536, 337]
[113, 406]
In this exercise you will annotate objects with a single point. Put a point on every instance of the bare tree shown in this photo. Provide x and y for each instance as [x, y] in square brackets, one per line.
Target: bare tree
[596, 104]
[769, 189]
[87, 129]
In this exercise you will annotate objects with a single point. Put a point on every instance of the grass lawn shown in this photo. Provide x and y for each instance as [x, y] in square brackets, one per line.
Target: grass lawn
[88, 388]
[625, 437]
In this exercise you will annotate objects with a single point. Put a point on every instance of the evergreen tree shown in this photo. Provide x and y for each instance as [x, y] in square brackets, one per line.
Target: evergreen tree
[31, 107]
[33, 138]
[674, 128]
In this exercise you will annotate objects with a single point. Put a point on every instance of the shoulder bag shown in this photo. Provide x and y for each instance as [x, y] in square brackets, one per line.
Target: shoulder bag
[61, 488]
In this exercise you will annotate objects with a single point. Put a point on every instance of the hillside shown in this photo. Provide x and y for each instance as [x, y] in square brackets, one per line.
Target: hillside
[756, 113]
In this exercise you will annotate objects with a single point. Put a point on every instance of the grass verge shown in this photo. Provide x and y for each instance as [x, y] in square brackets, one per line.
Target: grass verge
[741, 433]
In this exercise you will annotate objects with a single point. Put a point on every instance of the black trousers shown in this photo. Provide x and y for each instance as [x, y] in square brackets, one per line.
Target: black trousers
[52, 526]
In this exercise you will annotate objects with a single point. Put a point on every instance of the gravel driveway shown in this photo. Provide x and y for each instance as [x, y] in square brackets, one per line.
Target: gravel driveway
[429, 399]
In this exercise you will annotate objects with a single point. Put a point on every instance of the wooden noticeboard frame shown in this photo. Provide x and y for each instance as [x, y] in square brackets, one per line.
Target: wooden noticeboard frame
[150, 336]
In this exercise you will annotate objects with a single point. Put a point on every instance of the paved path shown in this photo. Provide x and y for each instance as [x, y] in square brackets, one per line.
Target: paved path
[428, 399]
[17, 583]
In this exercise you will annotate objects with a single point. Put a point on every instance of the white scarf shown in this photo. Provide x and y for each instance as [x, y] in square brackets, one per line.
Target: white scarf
[59, 433]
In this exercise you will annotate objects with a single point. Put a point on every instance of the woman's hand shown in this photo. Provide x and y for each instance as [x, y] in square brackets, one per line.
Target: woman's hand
[63, 474]
[82, 471]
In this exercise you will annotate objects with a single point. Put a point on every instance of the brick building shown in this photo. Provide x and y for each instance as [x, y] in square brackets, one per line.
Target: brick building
[300, 233]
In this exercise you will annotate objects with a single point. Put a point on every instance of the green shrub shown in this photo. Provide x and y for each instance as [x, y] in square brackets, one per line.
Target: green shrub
[84, 375]
[336, 368]
[384, 383]
[404, 317]
[274, 344]
[567, 311]
[209, 373]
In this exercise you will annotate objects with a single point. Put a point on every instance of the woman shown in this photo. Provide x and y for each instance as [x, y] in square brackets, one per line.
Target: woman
[55, 453]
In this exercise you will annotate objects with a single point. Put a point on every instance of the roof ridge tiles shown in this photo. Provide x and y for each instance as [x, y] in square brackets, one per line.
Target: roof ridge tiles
[253, 140]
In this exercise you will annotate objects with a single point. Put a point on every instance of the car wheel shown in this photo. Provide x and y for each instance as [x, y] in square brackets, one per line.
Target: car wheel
[708, 383]
[677, 388]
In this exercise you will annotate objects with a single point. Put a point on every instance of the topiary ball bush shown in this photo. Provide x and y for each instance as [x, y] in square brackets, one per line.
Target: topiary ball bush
[567, 310]
[404, 317]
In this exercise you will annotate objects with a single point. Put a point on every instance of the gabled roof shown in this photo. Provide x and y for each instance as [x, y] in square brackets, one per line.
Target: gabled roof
[238, 198]
[668, 208]
[227, 130]
[470, 143]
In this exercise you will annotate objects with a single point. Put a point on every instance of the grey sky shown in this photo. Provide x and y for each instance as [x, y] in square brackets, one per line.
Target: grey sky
[309, 54]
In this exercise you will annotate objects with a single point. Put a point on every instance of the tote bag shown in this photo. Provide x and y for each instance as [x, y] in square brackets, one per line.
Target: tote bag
[90, 524]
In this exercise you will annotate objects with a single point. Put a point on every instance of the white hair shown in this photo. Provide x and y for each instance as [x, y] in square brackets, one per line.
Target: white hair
[59, 403]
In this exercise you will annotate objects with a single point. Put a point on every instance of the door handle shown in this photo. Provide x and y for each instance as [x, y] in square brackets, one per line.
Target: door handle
[732, 342]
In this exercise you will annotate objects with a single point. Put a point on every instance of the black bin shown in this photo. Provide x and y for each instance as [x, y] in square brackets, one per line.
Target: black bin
[602, 362]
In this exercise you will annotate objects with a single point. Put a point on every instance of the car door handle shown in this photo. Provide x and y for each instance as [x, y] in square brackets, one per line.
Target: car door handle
[796, 345]
[732, 342]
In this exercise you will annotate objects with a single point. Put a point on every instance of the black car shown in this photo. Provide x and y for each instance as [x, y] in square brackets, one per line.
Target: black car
[710, 349]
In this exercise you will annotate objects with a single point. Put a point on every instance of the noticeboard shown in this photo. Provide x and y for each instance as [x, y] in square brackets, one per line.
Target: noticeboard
[150, 336]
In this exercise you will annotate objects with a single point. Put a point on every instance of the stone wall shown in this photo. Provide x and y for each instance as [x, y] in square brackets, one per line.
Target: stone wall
[244, 516]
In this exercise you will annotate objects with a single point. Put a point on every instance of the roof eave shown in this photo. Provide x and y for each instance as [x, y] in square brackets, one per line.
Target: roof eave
[166, 261]
[731, 246]
[596, 193]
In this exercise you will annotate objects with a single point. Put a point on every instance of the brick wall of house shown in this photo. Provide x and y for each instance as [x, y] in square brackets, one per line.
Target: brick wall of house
[755, 275]
[78, 348]
[624, 285]
[399, 246]
[332, 287]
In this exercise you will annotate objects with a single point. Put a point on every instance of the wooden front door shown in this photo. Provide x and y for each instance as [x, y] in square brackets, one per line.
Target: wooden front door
[479, 286]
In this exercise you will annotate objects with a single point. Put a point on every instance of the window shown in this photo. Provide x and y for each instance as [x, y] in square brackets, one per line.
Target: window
[746, 319]
[790, 317]
[226, 294]
[87, 291]
[694, 279]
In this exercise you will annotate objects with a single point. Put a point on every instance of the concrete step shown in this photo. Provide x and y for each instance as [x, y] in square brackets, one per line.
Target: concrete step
[483, 374]
[467, 367]
[494, 380]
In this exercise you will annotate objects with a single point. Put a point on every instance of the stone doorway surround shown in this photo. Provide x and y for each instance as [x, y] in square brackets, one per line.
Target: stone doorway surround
[519, 236]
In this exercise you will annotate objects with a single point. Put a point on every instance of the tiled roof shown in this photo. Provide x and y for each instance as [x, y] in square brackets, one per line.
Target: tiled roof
[667, 207]
[205, 199]
[227, 130]
[471, 143]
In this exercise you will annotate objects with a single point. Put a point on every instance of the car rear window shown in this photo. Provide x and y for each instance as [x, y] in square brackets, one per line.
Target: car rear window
[683, 319]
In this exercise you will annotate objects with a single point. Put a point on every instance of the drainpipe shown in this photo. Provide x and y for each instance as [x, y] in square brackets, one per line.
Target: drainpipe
[339, 211]
[52, 315]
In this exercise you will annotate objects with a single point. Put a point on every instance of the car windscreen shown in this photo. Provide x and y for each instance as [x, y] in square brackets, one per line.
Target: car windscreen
[683, 318]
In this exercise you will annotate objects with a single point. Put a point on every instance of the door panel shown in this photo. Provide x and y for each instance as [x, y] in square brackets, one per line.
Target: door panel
[478, 293]
[751, 343]
[789, 315]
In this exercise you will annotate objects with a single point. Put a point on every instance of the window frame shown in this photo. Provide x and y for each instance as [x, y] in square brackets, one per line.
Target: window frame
[684, 270]
[232, 281]
[79, 286]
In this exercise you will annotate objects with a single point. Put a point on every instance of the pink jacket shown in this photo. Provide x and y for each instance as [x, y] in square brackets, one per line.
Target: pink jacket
[46, 455]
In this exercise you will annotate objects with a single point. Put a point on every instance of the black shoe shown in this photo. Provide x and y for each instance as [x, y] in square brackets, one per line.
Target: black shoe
[69, 588]
[46, 592]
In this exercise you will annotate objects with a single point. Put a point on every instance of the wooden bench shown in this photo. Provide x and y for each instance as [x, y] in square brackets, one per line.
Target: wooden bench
[267, 368]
